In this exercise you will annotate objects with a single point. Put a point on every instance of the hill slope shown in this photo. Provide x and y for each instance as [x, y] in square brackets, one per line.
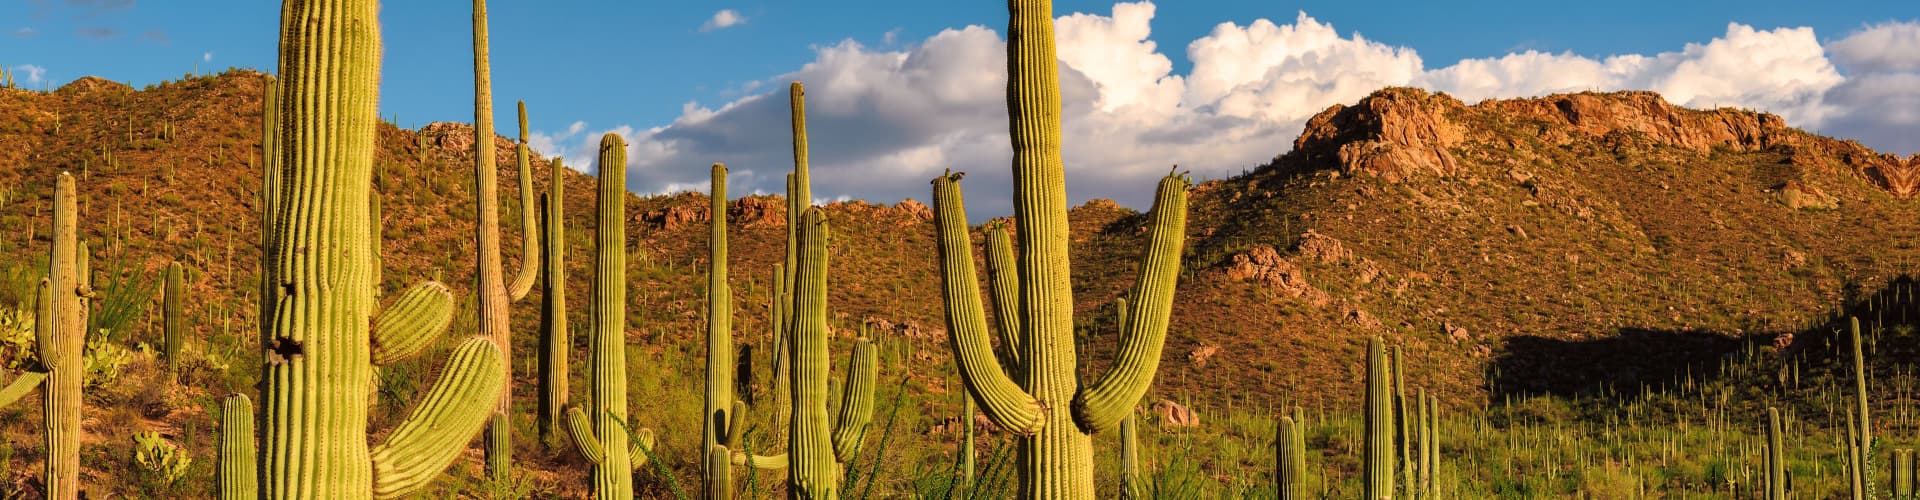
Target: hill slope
[1473, 235]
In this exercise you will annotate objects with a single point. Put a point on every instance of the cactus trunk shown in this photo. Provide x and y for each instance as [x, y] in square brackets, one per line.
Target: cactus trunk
[239, 478]
[1287, 456]
[553, 319]
[602, 437]
[171, 318]
[1378, 467]
[1130, 486]
[720, 397]
[1776, 458]
[62, 335]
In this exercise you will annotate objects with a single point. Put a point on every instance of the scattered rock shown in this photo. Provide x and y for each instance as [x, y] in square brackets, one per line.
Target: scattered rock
[915, 209]
[1175, 414]
[1322, 248]
[1800, 196]
[675, 217]
[1793, 259]
[1264, 265]
[759, 211]
[1199, 357]
[1457, 333]
[1362, 319]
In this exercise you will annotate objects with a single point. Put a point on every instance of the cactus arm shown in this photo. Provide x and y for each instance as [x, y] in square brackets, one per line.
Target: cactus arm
[1004, 280]
[762, 462]
[21, 386]
[1000, 398]
[529, 230]
[443, 423]
[43, 330]
[411, 323]
[640, 447]
[238, 455]
[1101, 405]
[580, 430]
[856, 404]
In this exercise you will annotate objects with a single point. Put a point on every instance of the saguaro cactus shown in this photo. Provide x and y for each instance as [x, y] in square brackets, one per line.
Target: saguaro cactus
[172, 317]
[816, 448]
[720, 398]
[1903, 474]
[238, 457]
[320, 350]
[493, 292]
[1288, 451]
[1378, 465]
[553, 320]
[1130, 486]
[1776, 458]
[600, 433]
[1056, 445]
[1863, 444]
[61, 326]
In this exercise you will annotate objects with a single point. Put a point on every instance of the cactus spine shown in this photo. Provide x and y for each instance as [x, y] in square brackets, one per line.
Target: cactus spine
[1378, 465]
[238, 457]
[1056, 447]
[1288, 454]
[320, 351]
[171, 317]
[720, 398]
[553, 320]
[816, 449]
[600, 432]
[493, 292]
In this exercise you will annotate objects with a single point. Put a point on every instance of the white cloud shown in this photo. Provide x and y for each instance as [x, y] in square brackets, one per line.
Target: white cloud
[882, 121]
[33, 74]
[207, 57]
[726, 18]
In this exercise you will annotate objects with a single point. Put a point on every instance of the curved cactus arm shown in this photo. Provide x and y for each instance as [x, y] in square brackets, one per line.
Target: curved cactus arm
[1100, 406]
[856, 404]
[239, 456]
[1002, 400]
[580, 429]
[411, 323]
[439, 428]
[762, 462]
[44, 325]
[1004, 280]
[640, 447]
[736, 425]
[529, 228]
[21, 386]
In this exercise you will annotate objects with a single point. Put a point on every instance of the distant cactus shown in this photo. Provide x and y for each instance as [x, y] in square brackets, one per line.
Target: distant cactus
[600, 432]
[1903, 474]
[172, 318]
[320, 350]
[238, 456]
[494, 294]
[1378, 465]
[1053, 412]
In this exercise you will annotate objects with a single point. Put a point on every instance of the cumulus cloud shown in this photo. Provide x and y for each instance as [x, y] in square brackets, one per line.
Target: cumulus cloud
[30, 74]
[207, 57]
[882, 121]
[726, 18]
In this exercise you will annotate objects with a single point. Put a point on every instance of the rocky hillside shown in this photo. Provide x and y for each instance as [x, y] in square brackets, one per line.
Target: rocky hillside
[1490, 239]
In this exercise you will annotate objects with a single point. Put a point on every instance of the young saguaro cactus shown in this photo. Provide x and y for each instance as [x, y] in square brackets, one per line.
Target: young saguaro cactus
[239, 477]
[1287, 452]
[320, 350]
[1776, 458]
[494, 293]
[816, 448]
[600, 432]
[1056, 445]
[172, 316]
[553, 319]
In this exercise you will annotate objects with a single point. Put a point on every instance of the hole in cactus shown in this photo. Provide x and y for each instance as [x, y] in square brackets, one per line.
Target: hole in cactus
[285, 349]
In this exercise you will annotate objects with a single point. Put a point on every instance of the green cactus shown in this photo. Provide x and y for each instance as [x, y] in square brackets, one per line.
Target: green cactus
[60, 333]
[172, 317]
[1863, 444]
[320, 350]
[1776, 457]
[720, 473]
[1903, 474]
[1288, 454]
[815, 448]
[1403, 430]
[1130, 485]
[720, 397]
[1377, 468]
[553, 319]
[1429, 444]
[602, 438]
[1856, 479]
[1056, 443]
[375, 240]
[966, 442]
[781, 310]
[494, 293]
[239, 480]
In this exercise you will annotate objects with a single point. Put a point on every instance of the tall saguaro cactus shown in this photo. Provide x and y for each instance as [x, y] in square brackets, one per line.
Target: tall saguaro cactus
[816, 447]
[1288, 451]
[715, 419]
[320, 350]
[1056, 445]
[600, 432]
[1378, 466]
[494, 293]
[61, 325]
[553, 320]
[1863, 444]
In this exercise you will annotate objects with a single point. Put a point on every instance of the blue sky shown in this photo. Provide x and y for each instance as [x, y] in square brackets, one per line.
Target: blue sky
[634, 66]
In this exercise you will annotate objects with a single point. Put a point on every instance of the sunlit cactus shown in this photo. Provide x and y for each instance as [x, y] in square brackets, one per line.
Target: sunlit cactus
[324, 339]
[1377, 465]
[557, 342]
[1288, 454]
[172, 317]
[238, 475]
[600, 431]
[719, 376]
[816, 447]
